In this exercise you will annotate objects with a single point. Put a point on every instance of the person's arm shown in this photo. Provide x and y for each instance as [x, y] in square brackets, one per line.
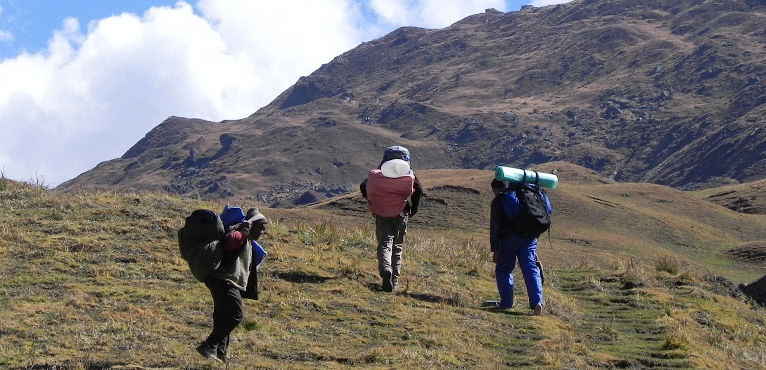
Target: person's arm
[415, 197]
[237, 238]
[363, 188]
[496, 221]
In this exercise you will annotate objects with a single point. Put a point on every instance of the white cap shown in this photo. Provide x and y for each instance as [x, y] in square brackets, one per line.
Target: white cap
[395, 168]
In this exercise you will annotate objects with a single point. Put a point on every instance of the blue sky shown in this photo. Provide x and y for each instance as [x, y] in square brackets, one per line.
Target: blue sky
[32, 22]
[82, 81]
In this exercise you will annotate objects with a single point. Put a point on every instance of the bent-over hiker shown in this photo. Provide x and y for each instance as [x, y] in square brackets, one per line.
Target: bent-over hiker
[393, 195]
[228, 283]
[507, 246]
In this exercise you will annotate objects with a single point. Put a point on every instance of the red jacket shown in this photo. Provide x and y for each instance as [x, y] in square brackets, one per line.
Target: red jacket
[387, 197]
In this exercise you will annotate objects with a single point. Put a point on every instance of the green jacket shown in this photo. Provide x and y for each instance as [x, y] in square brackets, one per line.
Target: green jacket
[237, 260]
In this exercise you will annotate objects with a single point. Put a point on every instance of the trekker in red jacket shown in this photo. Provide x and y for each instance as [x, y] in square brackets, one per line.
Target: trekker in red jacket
[393, 195]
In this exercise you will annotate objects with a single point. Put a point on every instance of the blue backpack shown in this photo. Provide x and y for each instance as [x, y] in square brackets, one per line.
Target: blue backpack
[395, 152]
[231, 216]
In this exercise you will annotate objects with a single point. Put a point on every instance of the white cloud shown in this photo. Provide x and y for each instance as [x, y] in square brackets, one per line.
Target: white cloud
[430, 13]
[91, 94]
[539, 3]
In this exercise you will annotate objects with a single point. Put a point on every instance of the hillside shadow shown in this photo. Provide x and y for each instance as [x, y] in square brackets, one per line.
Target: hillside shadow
[375, 287]
[432, 298]
[424, 297]
[302, 278]
[506, 311]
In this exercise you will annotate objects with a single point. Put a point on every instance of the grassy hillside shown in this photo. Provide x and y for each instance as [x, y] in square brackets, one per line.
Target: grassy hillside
[595, 220]
[744, 197]
[93, 280]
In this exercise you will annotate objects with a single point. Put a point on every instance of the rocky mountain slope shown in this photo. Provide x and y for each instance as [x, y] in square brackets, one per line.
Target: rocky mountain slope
[666, 91]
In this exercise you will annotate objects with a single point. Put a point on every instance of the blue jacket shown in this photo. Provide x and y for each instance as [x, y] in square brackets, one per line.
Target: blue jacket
[505, 206]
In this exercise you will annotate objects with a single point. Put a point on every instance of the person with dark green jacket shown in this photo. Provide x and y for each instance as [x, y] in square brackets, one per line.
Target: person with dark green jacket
[228, 283]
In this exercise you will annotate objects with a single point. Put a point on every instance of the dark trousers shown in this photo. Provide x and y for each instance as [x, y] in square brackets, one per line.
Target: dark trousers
[390, 232]
[227, 313]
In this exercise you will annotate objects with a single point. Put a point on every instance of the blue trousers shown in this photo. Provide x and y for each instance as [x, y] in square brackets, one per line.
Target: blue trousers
[525, 251]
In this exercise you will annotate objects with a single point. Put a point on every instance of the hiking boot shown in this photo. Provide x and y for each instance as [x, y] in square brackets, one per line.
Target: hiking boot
[207, 352]
[387, 284]
[395, 282]
[538, 310]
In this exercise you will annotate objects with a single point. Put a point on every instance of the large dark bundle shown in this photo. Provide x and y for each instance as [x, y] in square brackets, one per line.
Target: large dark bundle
[756, 290]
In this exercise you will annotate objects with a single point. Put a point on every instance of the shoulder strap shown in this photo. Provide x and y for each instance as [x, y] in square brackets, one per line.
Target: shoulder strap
[537, 177]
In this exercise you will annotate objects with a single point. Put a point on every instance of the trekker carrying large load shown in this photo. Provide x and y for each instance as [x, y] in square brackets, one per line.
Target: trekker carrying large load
[519, 214]
[229, 283]
[393, 195]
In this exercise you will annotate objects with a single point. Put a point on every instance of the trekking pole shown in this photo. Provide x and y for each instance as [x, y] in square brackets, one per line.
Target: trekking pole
[540, 264]
[540, 267]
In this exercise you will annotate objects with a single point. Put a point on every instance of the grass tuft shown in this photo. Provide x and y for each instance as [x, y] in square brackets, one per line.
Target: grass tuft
[667, 264]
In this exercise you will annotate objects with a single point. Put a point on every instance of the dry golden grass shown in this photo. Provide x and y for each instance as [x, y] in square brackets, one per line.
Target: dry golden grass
[594, 219]
[93, 280]
[747, 197]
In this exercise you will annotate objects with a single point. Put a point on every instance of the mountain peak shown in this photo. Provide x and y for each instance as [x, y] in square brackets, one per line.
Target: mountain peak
[666, 92]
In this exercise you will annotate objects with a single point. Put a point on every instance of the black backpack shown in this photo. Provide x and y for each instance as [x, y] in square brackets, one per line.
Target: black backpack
[533, 219]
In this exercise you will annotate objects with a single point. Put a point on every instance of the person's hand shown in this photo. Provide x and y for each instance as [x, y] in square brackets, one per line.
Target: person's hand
[244, 227]
[259, 228]
[494, 257]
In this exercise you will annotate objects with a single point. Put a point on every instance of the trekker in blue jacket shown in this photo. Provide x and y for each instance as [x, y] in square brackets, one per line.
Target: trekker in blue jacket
[507, 247]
